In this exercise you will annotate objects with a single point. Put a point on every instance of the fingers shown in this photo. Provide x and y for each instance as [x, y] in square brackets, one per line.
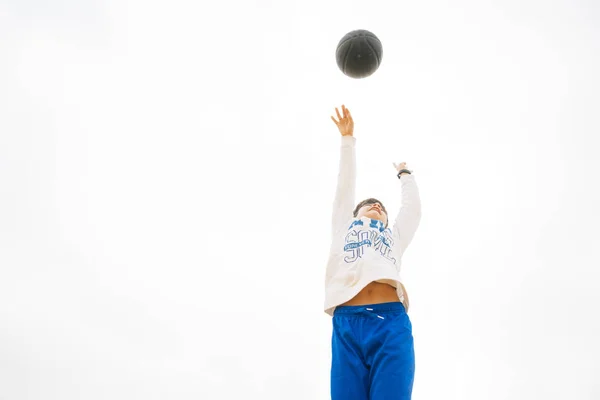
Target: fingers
[400, 166]
[344, 115]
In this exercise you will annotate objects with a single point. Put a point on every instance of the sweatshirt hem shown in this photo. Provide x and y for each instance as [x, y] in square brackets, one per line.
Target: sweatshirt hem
[330, 306]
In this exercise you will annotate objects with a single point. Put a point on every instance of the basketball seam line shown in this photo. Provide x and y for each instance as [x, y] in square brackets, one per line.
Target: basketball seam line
[347, 55]
[374, 52]
[364, 35]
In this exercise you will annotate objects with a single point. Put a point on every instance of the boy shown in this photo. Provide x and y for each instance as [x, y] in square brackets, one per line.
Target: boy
[372, 343]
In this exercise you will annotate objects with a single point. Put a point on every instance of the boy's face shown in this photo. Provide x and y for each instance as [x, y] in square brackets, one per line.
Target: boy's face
[373, 211]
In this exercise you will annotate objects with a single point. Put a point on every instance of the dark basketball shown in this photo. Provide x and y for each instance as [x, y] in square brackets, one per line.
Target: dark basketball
[359, 54]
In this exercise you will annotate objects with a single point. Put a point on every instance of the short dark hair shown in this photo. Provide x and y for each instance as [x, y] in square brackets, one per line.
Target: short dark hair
[368, 201]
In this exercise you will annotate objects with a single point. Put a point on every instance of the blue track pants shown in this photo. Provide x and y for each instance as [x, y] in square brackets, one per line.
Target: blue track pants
[373, 355]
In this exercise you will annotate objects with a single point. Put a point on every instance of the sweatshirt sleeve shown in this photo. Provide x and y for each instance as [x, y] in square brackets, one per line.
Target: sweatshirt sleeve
[343, 204]
[409, 216]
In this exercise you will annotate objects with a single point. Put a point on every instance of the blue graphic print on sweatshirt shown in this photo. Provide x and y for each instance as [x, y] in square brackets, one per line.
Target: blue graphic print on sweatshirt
[378, 237]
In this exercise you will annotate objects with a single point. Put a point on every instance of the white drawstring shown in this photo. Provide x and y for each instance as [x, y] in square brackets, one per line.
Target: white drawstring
[370, 309]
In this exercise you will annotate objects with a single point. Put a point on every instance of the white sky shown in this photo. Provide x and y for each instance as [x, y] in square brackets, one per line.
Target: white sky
[167, 171]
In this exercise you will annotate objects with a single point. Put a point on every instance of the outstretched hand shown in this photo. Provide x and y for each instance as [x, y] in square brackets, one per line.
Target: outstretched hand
[344, 122]
[400, 167]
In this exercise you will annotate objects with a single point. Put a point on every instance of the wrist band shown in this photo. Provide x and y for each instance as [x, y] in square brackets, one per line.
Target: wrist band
[403, 171]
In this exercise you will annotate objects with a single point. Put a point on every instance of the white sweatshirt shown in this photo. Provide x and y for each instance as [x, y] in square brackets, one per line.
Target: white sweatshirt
[362, 250]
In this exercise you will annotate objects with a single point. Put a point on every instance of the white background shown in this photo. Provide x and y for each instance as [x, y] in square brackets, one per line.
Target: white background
[167, 172]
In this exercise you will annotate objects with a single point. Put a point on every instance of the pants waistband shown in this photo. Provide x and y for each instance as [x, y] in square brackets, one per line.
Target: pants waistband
[380, 308]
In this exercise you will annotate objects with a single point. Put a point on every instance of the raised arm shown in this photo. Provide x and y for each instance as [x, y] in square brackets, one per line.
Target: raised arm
[343, 203]
[409, 216]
